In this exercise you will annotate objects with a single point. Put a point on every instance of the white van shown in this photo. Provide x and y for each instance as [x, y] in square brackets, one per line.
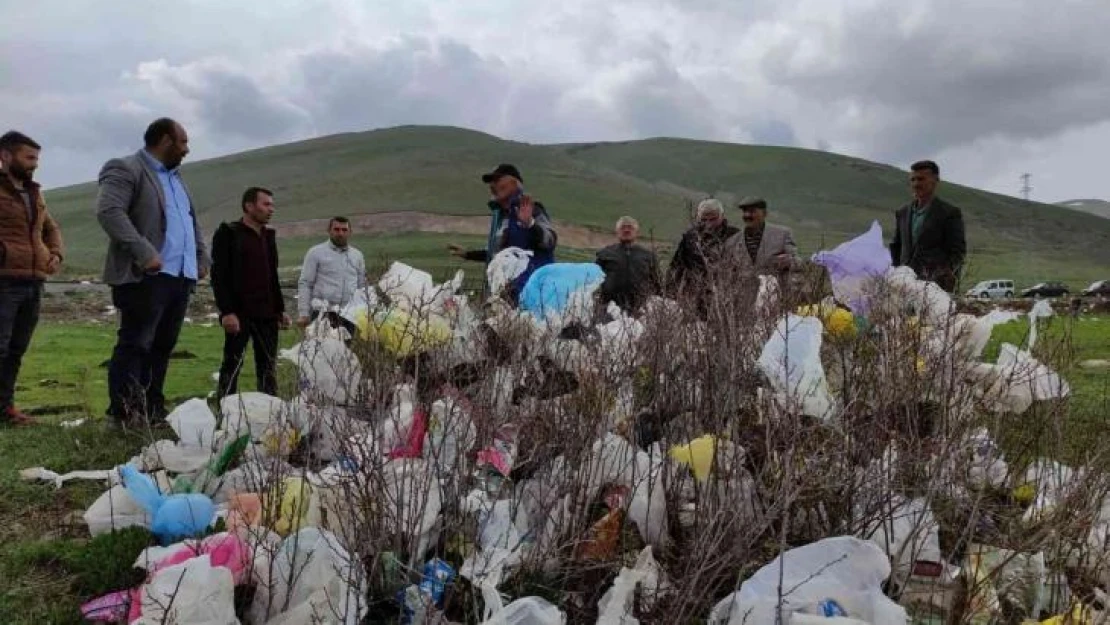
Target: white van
[992, 289]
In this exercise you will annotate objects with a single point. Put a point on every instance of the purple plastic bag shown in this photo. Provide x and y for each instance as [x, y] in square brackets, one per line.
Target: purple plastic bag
[852, 263]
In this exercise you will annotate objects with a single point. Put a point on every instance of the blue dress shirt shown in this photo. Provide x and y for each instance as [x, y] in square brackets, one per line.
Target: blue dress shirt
[179, 250]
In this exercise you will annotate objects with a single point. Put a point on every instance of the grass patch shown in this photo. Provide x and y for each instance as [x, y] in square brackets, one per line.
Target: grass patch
[48, 563]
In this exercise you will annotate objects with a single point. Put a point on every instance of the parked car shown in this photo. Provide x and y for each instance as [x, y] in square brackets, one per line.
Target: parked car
[1046, 289]
[992, 289]
[1098, 289]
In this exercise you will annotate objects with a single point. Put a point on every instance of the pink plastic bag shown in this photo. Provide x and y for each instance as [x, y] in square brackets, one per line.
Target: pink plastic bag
[226, 550]
[414, 442]
[502, 454]
[110, 608]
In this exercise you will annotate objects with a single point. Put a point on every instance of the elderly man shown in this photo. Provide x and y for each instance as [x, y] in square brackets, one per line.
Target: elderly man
[516, 220]
[332, 273]
[762, 248]
[929, 232]
[156, 254]
[631, 270]
[698, 259]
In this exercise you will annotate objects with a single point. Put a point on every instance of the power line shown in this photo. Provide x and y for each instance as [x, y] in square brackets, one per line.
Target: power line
[1025, 186]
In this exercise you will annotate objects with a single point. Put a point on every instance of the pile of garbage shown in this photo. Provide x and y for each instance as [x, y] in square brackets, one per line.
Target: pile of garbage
[537, 465]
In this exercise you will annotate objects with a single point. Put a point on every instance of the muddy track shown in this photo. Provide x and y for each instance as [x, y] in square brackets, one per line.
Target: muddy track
[415, 221]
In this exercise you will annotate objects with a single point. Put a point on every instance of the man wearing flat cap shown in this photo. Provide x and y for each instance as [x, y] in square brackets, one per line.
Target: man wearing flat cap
[761, 248]
[516, 220]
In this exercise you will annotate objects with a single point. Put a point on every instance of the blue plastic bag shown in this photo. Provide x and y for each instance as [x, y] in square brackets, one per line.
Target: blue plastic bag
[548, 292]
[173, 516]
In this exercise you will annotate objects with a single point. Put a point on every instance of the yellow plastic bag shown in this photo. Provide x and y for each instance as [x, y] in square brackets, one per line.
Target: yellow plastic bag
[1080, 615]
[293, 497]
[838, 322]
[698, 455]
[402, 334]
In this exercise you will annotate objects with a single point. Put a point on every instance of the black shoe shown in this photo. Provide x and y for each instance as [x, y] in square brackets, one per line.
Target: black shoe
[157, 416]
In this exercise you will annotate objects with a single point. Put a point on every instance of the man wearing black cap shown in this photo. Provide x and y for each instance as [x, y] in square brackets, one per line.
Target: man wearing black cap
[762, 248]
[516, 220]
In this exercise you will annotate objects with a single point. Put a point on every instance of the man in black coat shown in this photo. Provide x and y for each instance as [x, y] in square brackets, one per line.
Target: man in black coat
[701, 258]
[248, 296]
[631, 270]
[929, 232]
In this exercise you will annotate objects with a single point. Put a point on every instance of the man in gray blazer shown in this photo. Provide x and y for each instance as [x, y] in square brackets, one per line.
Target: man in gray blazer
[762, 248]
[156, 254]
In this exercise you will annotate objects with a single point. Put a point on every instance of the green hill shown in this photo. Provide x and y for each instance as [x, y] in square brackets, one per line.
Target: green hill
[825, 197]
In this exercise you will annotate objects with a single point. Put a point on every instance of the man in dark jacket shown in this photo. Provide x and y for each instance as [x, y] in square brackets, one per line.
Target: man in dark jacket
[248, 296]
[631, 270]
[929, 232]
[30, 250]
[516, 220]
[701, 257]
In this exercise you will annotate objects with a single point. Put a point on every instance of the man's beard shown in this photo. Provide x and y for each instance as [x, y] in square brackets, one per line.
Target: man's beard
[21, 174]
[338, 243]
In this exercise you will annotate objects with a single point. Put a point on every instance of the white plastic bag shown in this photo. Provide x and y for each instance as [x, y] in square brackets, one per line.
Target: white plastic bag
[908, 532]
[400, 418]
[251, 413]
[848, 570]
[329, 372]
[362, 302]
[191, 593]
[791, 360]
[316, 577]
[506, 266]
[987, 468]
[613, 460]
[174, 457]
[113, 510]
[523, 611]
[451, 435]
[928, 300]
[616, 603]
[1041, 310]
[194, 423]
[1024, 371]
[407, 286]
[411, 502]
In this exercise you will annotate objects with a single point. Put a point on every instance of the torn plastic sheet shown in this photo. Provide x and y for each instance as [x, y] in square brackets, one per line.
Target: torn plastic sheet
[42, 474]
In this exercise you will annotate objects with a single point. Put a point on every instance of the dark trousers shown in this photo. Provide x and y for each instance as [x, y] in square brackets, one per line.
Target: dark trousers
[264, 334]
[151, 314]
[19, 314]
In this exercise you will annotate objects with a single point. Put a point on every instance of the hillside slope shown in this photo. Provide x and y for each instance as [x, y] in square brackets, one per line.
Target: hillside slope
[1094, 207]
[825, 197]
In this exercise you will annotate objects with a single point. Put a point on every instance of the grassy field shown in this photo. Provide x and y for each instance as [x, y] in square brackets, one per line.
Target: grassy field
[825, 197]
[48, 564]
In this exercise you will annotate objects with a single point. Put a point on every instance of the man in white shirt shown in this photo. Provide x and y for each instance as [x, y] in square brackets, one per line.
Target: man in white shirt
[332, 272]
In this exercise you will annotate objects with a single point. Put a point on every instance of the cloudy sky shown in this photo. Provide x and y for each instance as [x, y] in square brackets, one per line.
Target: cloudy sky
[990, 88]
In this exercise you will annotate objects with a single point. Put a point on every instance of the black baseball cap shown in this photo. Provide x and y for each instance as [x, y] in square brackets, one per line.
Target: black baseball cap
[502, 170]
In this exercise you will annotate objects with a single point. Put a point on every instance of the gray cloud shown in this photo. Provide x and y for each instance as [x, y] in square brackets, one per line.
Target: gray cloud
[916, 82]
[992, 87]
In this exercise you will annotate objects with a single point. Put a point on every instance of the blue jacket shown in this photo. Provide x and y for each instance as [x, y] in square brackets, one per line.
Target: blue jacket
[506, 231]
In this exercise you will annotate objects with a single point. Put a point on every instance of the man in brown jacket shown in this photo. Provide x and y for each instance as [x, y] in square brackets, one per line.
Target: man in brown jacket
[30, 250]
